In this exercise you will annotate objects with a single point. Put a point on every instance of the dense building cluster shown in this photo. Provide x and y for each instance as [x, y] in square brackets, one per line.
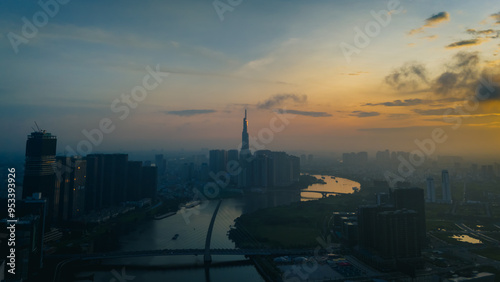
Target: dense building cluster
[60, 190]
[389, 233]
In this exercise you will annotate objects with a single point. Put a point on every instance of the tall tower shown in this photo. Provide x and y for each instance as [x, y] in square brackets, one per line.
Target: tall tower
[245, 146]
[431, 191]
[245, 157]
[40, 173]
[445, 183]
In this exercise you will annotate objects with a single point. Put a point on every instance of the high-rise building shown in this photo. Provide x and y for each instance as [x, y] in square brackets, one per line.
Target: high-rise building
[413, 199]
[160, 163]
[149, 182]
[367, 224]
[245, 178]
[107, 180]
[61, 189]
[115, 177]
[134, 178]
[93, 185]
[232, 159]
[245, 144]
[397, 234]
[445, 182]
[203, 176]
[40, 172]
[431, 190]
[217, 160]
[69, 193]
[262, 168]
[77, 205]
[295, 161]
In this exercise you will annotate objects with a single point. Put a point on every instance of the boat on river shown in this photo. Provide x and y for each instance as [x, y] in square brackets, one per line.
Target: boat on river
[192, 204]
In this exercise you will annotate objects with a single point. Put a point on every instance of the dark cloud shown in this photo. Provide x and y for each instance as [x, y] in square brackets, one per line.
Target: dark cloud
[187, 113]
[496, 17]
[279, 99]
[488, 88]
[303, 113]
[460, 74]
[362, 114]
[431, 22]
[409, 76]
[465, 43]
[437, 18]
[459, 77]
[446, 81]
[399, 103]
[489, 33]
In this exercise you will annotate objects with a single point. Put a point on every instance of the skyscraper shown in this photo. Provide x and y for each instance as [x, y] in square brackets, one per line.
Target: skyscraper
[413, 199]
[134, 177]
[149, 182]
[106, 180]
[431, 191]
[69, 192]
[245, 144]
[40, 174]
[160, 164]
[445, 184]
[398, 234]
[245, 178]
[217, 160]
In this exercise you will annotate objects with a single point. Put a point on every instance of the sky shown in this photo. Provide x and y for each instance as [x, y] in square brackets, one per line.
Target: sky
[313, 75]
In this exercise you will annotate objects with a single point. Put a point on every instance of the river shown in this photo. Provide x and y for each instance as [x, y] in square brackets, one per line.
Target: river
[192, 229]
[333, 184]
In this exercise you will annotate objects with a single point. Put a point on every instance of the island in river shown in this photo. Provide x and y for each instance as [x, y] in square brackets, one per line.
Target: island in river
[297, 225]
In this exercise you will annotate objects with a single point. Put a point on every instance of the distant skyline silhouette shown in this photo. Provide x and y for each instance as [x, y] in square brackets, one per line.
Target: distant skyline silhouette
[354, 75]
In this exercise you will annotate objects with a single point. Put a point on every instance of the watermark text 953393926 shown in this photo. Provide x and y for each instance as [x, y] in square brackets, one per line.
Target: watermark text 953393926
[11, 221]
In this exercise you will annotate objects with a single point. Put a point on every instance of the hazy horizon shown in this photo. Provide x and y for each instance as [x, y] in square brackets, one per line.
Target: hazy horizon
[352, 76]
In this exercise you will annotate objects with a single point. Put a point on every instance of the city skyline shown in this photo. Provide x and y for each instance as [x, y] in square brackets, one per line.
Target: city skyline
[417, 64]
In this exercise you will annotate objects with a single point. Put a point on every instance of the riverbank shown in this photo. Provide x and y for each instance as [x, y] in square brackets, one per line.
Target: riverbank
[298, 225]
[104, 237]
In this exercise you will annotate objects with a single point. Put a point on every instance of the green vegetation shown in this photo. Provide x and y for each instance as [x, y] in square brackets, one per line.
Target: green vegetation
[300, 224]
[297, 225]
[293, 226]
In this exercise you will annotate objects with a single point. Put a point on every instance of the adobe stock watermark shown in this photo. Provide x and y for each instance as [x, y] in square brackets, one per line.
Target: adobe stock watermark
[427, 147]
[234, 168]
[29, 29]
[303, 271]
[223, 6]
[121, 277]
[362, 37]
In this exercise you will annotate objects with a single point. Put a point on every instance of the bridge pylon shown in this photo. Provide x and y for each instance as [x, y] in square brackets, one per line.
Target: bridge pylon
[207, 258]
